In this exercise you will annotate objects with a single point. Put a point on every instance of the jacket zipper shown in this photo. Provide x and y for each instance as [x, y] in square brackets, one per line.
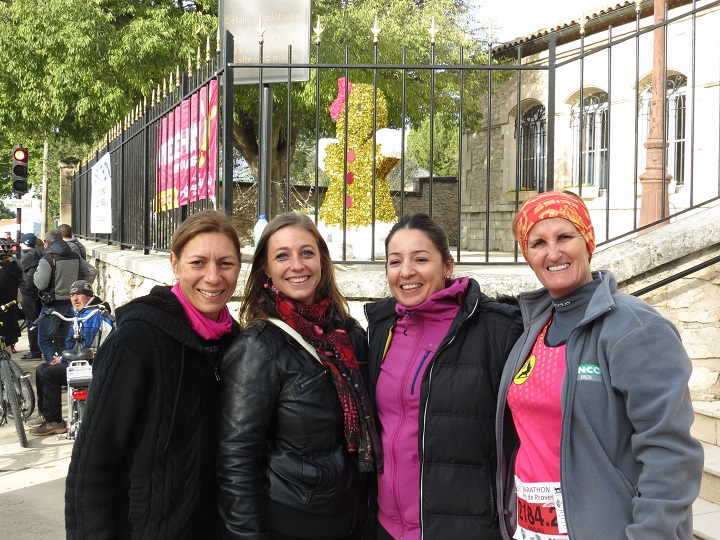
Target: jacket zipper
[431, 367]
[312, 379]
[565, 405]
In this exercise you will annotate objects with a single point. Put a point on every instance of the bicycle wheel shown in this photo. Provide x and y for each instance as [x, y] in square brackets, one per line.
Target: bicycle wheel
[12, 398]
[24, 390]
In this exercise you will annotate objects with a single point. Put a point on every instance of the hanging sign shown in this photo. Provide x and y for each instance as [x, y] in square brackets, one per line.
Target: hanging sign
[282, 23]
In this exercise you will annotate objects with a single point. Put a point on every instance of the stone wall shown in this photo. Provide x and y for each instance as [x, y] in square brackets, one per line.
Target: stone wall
[692, 303]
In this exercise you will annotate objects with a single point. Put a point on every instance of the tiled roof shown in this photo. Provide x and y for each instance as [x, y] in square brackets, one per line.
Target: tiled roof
[596, 20]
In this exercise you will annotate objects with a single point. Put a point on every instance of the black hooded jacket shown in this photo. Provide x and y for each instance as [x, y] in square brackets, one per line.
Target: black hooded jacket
[143, 463]
[456, 440]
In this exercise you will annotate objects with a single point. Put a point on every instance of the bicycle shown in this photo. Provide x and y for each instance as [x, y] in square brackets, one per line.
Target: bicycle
[79, 359]
[18, 396]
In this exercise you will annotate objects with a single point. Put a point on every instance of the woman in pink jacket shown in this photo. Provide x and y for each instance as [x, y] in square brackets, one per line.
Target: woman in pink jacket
[437, 349]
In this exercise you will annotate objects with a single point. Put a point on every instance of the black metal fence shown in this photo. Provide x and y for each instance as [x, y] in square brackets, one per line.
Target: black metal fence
[567, 109]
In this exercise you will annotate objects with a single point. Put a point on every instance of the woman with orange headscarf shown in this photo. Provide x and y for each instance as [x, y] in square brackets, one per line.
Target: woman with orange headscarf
[594, 412]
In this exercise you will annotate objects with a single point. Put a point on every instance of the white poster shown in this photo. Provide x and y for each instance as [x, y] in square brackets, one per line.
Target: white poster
[101, 196]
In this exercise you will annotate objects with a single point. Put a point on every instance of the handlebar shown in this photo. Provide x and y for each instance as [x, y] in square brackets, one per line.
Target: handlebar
[92, 311]
[7, 306]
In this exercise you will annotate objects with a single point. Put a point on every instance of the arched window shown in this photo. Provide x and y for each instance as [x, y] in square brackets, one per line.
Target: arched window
[590, 145]
[675, 100]
[533, 141]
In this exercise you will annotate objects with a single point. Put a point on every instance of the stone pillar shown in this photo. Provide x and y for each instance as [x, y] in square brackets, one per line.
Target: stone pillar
[655, 179]
[67, 169]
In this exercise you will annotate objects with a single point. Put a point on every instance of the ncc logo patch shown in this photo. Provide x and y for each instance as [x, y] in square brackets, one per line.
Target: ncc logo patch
[589, 372]
[525, 371]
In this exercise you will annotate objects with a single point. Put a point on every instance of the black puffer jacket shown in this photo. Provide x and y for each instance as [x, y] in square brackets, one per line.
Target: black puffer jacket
[456, 441]
[143, 464]
[283, 463]
[29, 262]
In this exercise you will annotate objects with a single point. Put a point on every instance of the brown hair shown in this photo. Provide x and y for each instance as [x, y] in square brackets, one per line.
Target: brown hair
[257, 303]
[426, 225]
[206, 221]
[66, 230]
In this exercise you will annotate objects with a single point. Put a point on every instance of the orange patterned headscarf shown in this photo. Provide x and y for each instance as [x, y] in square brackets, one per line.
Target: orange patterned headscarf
[552, 204]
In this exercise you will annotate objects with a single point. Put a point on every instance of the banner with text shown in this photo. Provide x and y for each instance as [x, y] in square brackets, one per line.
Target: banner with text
[101, 196]
[187, 150]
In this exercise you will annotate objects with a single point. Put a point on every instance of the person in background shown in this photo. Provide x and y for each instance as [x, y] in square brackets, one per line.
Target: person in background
[9, 241]
[298, 447]
[437, 348]
[31, 255]
[10, 277]
[73, 242]
[58, 268]
[594, 414]
[143, 465]
[51, 377]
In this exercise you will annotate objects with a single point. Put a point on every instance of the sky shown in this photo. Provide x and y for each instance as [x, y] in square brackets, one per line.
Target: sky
[516, 18]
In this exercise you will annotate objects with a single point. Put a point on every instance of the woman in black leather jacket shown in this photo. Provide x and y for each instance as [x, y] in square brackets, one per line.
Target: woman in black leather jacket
[297, 440]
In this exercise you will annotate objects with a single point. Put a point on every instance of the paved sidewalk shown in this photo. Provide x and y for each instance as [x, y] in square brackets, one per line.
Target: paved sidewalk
[32, 479]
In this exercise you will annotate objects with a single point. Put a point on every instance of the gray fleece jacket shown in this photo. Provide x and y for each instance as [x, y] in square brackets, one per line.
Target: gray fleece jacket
[629, 467]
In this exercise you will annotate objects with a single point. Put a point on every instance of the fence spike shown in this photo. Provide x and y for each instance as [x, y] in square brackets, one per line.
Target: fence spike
[158, 92]
[177, 75]
[189, 65]
[318, 30]
[261, 30]
[582, 22]
[207, 50]
[218, 44]
[164, 87]
[170, 84]
[198, 59]
[433, 31]
[376, 30]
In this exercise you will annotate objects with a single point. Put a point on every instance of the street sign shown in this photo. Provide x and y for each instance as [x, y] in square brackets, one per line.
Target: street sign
[282, 23]
[17, 203]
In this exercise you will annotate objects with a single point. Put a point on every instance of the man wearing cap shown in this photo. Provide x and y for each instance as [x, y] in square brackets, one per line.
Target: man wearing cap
[56, 271]
[31, 255]
[51, 377]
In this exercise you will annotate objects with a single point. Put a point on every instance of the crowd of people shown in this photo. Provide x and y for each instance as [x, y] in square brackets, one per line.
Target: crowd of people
[43, 276]
[453, 415]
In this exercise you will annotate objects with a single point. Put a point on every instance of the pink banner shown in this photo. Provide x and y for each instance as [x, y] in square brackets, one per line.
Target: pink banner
[187, 150]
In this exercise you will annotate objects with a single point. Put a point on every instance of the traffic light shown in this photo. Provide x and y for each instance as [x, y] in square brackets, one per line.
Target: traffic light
[19, 169]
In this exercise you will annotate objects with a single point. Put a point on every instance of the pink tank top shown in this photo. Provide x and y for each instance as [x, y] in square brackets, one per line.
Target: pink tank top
[535, 403]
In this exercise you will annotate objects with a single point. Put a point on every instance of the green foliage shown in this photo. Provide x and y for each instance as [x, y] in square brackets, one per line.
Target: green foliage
[72, 69]
[444, 145]
[6, 213]
[404, 39]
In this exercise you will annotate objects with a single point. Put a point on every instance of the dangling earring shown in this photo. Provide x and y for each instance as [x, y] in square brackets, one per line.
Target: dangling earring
[268, 283]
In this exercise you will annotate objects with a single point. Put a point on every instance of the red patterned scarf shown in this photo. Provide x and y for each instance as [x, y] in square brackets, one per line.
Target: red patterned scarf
[334, 348]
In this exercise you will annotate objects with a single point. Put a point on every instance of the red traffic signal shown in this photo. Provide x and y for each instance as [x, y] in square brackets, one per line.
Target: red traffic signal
[19, 170]
[20, 154]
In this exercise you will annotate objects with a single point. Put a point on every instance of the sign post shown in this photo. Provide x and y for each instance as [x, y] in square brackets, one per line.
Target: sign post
[281, 23]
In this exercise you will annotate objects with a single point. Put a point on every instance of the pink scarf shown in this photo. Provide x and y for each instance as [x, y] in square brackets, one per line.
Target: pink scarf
[204, 327]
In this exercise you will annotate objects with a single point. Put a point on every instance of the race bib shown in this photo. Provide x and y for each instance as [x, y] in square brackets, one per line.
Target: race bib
[540, 511]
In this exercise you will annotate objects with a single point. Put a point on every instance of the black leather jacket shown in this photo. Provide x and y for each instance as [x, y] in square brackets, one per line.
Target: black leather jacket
[283, 464]
[456, 434]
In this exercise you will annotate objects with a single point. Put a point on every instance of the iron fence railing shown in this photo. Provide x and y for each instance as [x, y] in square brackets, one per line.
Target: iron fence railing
[592, 88]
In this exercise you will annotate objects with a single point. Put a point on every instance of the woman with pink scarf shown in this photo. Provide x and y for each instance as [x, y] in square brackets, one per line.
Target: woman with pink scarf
[143, 465]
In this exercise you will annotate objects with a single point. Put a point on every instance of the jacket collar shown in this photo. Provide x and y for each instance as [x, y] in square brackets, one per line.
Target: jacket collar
[537, 304]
